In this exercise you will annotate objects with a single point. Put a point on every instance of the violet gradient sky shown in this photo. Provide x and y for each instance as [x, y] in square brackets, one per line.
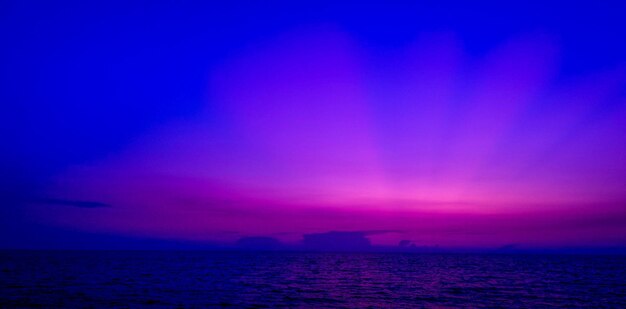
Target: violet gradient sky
[459, 126]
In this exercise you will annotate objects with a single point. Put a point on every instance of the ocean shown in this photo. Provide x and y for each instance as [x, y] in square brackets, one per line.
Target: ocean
[201, 279]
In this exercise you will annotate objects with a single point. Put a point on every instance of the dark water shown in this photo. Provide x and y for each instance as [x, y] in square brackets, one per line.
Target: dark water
[255, 279]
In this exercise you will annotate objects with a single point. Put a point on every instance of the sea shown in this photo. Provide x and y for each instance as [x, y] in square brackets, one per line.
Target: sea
[209, 279]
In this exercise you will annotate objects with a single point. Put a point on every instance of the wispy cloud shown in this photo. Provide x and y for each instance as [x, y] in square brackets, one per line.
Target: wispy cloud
[73, 203]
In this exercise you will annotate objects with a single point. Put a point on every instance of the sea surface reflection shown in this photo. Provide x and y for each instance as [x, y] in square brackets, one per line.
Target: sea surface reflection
[298, 279]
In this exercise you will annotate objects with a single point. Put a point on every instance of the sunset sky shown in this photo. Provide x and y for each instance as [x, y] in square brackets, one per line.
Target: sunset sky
[480, 126]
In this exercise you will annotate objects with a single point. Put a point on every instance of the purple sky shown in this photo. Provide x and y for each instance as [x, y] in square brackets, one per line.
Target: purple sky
[315, 127]
[314, 133]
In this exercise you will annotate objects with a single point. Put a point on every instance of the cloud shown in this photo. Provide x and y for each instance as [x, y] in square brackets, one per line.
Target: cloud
[73, 203]
[404, 243]
[508, 247]
[337, 241]
[259, 243]
[378, 232]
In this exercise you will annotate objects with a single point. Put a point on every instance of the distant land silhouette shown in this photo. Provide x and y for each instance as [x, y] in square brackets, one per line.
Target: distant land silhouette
[332, 241]
[50, 238]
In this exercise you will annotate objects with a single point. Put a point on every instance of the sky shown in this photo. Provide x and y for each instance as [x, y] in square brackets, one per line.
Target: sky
[397, 123]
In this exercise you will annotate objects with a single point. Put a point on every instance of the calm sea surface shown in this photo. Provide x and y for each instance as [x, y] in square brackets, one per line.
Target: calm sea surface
[53, 279]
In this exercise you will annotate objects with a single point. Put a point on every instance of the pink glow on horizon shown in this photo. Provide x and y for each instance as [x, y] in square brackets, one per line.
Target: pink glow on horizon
[315, 134]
